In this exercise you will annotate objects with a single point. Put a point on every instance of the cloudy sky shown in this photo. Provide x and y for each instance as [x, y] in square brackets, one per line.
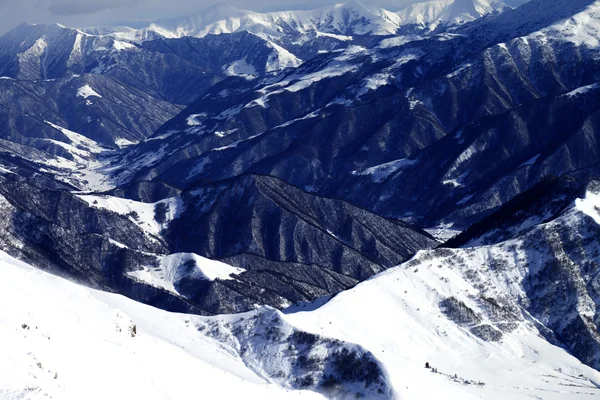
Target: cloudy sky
[79, 13]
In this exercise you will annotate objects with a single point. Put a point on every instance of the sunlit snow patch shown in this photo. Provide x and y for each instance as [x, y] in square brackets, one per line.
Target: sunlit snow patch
[531, 161]
[120, 45]
[590, 205]
[240, 68]
[583, 90]
[381, 172]
[173, 268]
[195, 119]
[373, 83]
[150, 217]
[87, 91]
[122, 142]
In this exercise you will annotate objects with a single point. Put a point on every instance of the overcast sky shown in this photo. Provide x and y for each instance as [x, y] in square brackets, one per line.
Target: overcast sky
[78, 13]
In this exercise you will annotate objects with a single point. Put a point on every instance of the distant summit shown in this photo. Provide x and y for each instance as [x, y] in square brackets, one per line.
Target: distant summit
[351, 18]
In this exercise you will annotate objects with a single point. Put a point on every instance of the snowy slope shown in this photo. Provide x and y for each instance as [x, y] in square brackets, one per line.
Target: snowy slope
[64, 341]
[397, 317]
[582, 29]
[471, 314]
[432, 14]
[175, 268]
[81, 344]
[143, 214]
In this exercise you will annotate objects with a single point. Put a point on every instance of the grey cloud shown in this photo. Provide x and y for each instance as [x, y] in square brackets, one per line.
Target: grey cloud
[69, 7]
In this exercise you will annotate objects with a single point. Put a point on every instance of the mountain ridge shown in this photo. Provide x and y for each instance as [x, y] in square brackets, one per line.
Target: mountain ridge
[351, 18]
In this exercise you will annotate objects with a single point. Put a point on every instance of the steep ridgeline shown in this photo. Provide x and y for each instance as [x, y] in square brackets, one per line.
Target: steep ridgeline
[444, 129]
[45, 224]
[279, 245]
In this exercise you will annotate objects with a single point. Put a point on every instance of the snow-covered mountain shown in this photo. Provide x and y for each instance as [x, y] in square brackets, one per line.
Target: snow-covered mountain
[343, 19]
[432, 14]
[274, 179]
[352, 18]
[340, 20]
[56, 79]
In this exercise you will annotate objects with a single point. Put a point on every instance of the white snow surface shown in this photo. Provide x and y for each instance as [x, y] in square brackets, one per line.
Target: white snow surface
[122, 142]
[194, 119]
[295, 83]
[241, 68]
[64, 341]
[443, 232]
[583, 89]
[590, 205]
[87, 91]
[78, 140]
[142, 214]
[373, 82]
[173, 268]
[381, 172]
[531, 161]
[85, 171]
[431, 14]
[397, 316]
[281, 59]
[120, 45]
[332, 19]
[581, 29]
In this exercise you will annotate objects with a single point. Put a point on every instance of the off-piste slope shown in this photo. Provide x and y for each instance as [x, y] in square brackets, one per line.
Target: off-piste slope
[64, 341]
[497, 321]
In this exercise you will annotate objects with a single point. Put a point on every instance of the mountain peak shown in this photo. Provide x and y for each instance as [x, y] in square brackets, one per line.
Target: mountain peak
[435, 13]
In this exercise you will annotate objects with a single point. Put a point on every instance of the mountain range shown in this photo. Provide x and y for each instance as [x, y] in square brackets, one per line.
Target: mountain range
[316, 202]
[340, 20]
